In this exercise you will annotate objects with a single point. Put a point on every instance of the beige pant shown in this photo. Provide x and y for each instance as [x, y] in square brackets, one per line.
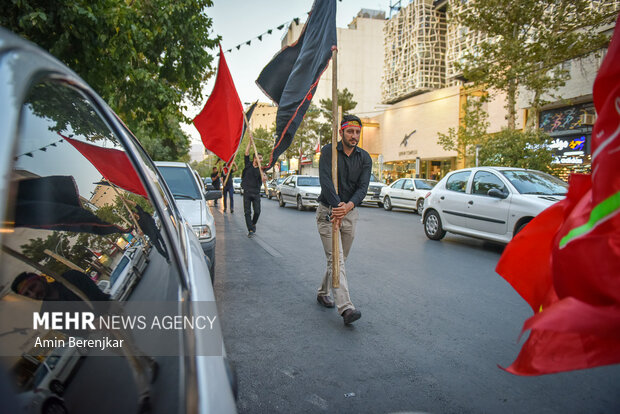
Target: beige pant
[347, 234]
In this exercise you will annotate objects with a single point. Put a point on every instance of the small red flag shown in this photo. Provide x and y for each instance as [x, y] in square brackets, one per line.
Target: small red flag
[220, 123]
[113, 165]
[566, 262]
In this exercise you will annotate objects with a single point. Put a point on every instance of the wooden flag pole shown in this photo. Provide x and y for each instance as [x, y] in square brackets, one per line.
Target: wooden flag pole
[335, 227]
[255, 152]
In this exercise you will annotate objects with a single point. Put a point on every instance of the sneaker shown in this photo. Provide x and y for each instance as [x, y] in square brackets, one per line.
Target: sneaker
[250, 234]
[232, 211]
[351, 315]
[325, 300]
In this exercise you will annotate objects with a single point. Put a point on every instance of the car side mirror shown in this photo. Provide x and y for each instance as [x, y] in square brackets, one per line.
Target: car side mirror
[213, 195]
[494, 192]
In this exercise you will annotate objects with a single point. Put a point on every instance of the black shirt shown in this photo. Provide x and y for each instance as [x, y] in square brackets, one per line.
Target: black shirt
[251, 179]
[353, 176]
[215, 181]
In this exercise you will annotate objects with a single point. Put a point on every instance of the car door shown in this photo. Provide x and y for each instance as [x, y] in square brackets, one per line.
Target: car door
[407, 194]
[486, 213]
[74, 179]
[288, 189]
[394, 191]
[453, 199]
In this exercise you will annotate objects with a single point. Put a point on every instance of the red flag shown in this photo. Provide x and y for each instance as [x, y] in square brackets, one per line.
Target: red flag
[566, 262]
[113, 164]
[220, 122]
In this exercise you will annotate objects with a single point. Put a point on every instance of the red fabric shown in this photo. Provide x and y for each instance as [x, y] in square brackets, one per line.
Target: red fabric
[572, 281]
[220, 123]
[113, 164]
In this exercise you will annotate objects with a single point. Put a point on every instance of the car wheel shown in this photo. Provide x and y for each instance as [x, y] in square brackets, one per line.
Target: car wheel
[380, 204]
[432, 226]
[57, 388]
[521, 227]
[280, 201]
[270, 196]
[300, 204]
[387, 203]
[420, 206]
[54, 406]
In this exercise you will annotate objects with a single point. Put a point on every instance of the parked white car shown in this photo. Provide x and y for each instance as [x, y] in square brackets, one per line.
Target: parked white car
[406, 193]
[303, 190]
[126, 274]
[237, 184]
[53, 373]
[492, 203]
[373, 195]
[191, 197]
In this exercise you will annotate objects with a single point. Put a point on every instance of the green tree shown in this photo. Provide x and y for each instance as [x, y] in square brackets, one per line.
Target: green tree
[345, 100]
[146, 58]
[512, 148]
[527, 41]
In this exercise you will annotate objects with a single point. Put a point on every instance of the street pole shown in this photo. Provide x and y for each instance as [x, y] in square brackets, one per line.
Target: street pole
[335, 229]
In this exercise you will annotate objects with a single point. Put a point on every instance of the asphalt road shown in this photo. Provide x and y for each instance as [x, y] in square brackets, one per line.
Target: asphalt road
[436, 322]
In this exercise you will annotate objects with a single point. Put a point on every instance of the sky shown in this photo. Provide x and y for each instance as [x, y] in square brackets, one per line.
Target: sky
[238, 21]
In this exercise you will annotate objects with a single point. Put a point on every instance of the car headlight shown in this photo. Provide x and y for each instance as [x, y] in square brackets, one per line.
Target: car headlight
[203, 232]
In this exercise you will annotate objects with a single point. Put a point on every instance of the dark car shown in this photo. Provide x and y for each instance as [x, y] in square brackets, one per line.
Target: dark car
[77, 185]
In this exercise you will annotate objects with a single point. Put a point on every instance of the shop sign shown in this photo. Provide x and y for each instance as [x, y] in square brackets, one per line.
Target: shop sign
[565, 119]
[569, 150]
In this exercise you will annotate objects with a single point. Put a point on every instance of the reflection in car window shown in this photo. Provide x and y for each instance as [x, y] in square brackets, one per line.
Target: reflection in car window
[425, 184]
[408, 185]
[458, 181]
[308, 181]
[398, 184]
[181, 182]
[485, 181]
[535, 182]
[76, 206]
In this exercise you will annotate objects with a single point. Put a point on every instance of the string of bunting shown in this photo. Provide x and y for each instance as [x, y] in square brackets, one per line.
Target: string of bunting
[268, 32]
[44, 148]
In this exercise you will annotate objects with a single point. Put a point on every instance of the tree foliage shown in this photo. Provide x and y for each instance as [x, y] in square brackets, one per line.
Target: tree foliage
[527, 41]
[345, 101]
[146, 58]
[521, 149]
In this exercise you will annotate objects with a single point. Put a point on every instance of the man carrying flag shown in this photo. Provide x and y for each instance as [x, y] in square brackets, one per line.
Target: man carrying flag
[354, 167]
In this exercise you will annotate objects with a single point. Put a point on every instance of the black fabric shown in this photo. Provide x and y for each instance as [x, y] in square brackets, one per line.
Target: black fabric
[291, 78]
[229, 193]
[216, 182]
[251, 179]
[353, 176]
[53, 203]
[251, 202]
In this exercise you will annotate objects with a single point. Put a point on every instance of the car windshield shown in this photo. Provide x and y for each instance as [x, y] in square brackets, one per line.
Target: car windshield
[308, 182]
[118, 269]
[236, 180]
[535, 182]
[425, 184]
[181, 182]
[373, 179]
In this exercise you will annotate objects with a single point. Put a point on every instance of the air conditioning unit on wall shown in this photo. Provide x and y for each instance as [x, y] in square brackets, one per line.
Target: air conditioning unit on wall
[587, 119]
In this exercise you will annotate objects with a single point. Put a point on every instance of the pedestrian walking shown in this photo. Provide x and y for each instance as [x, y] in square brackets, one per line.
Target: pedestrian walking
[215, 182]
[228, 189]
[251, 180]
[354, 168]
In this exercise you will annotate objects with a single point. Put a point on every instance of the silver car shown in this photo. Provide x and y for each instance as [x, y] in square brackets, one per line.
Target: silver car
[406, 193]
[302, 190]
[74, 180]
[492, 203]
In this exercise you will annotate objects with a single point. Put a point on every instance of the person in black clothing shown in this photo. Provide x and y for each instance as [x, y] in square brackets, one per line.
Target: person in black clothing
[149, 227]
[228, 189]
[354, 168]
[216, 182]
[251, 180]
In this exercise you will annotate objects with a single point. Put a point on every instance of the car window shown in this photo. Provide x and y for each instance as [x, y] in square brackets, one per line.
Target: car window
[407, 185]
[458, 181]
[75, 205]
[535, 182]
[398, 184]
[308, 181]
[181, 182]
[424, 184]
[485, 181]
